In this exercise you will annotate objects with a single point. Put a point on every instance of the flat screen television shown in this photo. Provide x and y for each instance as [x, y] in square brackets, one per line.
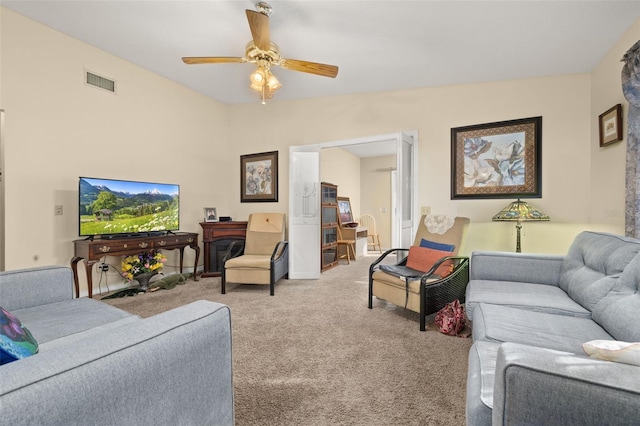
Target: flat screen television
[112, 208]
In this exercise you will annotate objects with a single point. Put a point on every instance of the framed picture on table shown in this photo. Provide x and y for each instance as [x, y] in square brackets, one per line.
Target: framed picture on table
[345, 215]
[210, 214]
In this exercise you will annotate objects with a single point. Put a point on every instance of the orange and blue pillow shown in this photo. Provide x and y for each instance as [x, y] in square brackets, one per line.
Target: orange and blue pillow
[423, 258]
[16, 341]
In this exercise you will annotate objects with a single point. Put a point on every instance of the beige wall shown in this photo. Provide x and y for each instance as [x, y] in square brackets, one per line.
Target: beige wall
[375, 193]
[58, 129]
[342, 168]
[564, 103]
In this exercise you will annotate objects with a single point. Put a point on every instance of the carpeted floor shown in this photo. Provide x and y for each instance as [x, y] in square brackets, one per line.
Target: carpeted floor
[313, 354]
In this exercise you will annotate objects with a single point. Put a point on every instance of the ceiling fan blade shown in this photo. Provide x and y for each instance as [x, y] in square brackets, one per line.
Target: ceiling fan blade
[211, 60]
[259, 24]
[310, 67]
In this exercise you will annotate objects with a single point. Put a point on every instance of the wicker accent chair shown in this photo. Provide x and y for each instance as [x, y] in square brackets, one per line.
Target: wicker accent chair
[265, 259]
[423, 292]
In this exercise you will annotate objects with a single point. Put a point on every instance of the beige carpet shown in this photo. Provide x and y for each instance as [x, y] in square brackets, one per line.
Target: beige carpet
[313, 354]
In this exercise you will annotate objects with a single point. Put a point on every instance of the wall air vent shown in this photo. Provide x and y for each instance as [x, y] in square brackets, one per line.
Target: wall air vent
[100, 82]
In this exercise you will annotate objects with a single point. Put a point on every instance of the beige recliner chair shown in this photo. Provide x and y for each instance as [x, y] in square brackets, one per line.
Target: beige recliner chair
[424, 292]
[266, 253]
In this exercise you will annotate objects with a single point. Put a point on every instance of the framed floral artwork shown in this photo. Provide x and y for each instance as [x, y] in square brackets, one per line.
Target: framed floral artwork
[497, 160]
[610, 125]
[259, 177]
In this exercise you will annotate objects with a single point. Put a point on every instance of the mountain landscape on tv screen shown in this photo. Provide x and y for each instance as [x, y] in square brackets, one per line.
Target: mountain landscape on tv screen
[122, 207]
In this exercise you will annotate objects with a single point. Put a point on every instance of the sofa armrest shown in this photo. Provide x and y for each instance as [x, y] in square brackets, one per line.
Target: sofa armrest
[543, 386]
[172, 368]
[26, 288]
[519, 267]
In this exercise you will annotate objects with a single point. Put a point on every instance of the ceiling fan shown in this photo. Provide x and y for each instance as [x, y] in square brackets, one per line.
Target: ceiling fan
[265, 54]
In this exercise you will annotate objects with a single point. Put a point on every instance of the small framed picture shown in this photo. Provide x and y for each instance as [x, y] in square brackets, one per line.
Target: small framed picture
[610, 124]
[210, 214]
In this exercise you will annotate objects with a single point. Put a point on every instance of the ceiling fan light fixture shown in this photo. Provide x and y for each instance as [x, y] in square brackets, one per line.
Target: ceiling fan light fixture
[272, 83]
[264, 82]
[258, 78]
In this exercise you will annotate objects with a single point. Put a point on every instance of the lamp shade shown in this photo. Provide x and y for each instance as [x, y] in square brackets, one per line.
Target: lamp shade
[520, 211]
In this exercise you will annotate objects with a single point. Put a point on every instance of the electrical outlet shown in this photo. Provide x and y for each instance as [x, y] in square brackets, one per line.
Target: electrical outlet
[57, 210]
[104, 267]
[425, 210]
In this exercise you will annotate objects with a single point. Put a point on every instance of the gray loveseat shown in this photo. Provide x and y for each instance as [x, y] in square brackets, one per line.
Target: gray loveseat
[530, 316]
[100, 365]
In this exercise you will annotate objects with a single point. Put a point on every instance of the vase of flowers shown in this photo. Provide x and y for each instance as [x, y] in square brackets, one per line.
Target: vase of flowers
[142, 267]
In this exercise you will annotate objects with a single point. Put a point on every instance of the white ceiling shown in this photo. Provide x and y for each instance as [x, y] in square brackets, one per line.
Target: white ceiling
[378, 45]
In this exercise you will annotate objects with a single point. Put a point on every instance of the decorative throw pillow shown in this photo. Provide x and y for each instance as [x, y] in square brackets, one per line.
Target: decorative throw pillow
[16, 341]
[436, 246]
[613, 350]
[423, 259]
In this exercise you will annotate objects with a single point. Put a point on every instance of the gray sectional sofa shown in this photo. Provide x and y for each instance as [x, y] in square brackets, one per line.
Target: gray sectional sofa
[101, 365]
[530, 316]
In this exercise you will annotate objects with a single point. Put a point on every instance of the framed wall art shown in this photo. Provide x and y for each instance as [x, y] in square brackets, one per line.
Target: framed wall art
[497, 160]
[210, 214]
[259, 177]
[610, 125]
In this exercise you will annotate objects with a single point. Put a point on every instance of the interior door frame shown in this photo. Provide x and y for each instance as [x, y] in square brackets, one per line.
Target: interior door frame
[304, 226]
[406, 225]
[396, 228]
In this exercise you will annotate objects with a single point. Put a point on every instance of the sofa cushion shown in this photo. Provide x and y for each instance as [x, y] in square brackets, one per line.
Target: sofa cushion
[564, 333]
[619, 311]
[16, 341]
[72, 339]
[55, 320]
[591, 262]
[533, 297]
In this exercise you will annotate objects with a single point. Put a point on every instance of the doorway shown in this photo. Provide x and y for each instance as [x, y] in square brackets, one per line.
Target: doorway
[302, 227]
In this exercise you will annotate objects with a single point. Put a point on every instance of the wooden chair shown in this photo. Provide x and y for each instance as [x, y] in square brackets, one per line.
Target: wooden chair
[349, 246]
[373, 238]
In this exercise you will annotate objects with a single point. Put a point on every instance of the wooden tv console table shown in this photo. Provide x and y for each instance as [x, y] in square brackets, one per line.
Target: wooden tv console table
[93, 250]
